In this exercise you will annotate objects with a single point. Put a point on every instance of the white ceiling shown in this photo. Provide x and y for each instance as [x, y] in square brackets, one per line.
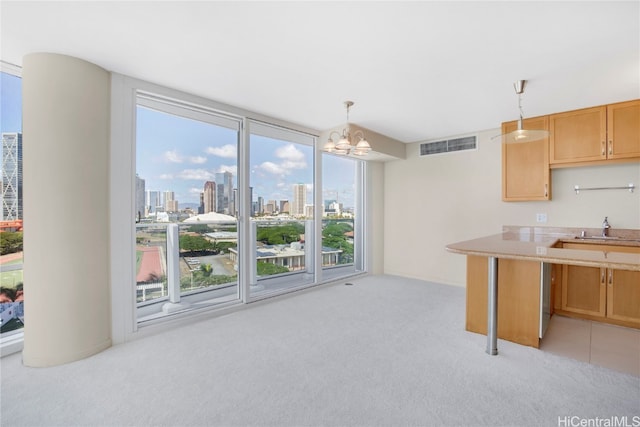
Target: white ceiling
[416, 70]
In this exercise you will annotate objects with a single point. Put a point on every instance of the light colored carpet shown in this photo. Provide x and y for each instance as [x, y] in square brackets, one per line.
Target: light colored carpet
[387, 351]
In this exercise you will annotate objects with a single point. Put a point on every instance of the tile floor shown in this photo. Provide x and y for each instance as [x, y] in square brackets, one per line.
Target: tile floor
[611, 346]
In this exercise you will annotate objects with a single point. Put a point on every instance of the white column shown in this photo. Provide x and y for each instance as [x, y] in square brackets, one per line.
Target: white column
[66, 104]
[173, 271]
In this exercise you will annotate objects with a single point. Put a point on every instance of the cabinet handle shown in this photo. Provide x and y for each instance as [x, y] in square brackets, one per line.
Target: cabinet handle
[610, 147]
[604, 152]
[610, 277]
[546, 190]
[602, 273]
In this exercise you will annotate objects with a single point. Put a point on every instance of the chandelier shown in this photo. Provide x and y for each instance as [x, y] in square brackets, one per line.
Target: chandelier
[344, 145]
[520, 134]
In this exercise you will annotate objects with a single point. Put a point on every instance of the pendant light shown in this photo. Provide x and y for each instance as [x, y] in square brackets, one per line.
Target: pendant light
[344, 146]
[522, 135]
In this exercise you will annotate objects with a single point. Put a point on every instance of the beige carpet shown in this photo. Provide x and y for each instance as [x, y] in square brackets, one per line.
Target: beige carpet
[386, 351]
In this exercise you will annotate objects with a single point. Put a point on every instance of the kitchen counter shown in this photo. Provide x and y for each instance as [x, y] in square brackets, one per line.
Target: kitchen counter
[542, 244]
[545, 245]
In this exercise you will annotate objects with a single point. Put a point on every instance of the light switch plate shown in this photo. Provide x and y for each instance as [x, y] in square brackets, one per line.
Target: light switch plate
[541, 217]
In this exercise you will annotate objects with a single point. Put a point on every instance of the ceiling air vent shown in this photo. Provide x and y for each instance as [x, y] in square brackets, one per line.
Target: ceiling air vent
[447, 146]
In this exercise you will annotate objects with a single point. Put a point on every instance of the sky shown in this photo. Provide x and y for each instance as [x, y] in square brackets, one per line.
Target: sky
[10, 103]
[179, 154]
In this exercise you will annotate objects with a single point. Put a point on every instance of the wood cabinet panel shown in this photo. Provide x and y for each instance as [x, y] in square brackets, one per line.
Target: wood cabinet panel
[578, 136]
[584, 290]
[623, 130]
[623, 296]
[518, 299]
[525, 166]
[603, 293]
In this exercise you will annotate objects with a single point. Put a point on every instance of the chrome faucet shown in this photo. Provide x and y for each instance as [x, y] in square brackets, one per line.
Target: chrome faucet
[605, 227]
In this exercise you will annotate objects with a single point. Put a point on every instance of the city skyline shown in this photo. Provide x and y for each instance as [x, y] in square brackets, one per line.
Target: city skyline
[167, 161]
[180, 155]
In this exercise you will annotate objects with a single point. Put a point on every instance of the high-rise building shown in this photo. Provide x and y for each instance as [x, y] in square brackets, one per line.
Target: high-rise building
[201, 207]
[167, 198]
[224, 194]
[11, 176]
[260, 210]
[140, 198]
[209, 197]
[270, 207]
[171, 206]
[284, 206]
[299, 200]
[152, 202]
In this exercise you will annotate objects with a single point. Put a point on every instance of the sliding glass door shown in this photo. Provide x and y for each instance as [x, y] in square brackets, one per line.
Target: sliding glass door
[342, 219]
[282, 211]
[185, 207]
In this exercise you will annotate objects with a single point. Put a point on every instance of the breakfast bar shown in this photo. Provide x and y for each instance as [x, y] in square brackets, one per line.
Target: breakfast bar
[548, 246]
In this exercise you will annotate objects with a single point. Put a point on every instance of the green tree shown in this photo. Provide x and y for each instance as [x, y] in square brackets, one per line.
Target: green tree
[199, 228]
[281, 234]
[190, 243]
[10, 242]
[206, 269]
[267, 269]
[333, 236]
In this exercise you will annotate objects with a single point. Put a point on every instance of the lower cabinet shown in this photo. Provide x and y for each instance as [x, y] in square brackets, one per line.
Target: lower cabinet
[603, 294]
[518, 299]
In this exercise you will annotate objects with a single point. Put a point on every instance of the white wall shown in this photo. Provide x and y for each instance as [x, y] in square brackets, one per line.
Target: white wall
[435, 200]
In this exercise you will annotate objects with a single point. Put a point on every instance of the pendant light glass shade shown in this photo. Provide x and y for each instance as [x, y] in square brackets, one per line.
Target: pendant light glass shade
[343, 146]
[521, 135]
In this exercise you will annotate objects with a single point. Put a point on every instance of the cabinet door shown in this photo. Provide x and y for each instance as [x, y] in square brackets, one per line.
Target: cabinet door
[584, 290]
[525, 166]
[518, 299]
[578, 136]
[623, 130]
[623, 295]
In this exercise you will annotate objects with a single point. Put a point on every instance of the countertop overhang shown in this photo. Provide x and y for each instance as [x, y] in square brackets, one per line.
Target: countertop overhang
[535, 244]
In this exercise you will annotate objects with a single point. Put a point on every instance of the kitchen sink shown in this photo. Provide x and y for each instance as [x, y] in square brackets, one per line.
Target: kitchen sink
[606, 238]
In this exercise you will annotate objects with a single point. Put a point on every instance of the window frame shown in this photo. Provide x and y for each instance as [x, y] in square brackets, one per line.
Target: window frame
[125, 93]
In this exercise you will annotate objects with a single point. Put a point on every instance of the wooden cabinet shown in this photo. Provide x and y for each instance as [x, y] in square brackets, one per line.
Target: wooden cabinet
[578, 136]
[594, 135]
[518, 299]
[623, 130]
[525, 166]
[601, 293]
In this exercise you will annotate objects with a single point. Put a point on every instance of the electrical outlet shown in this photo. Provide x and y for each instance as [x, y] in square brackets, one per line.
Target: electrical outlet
[541, 217]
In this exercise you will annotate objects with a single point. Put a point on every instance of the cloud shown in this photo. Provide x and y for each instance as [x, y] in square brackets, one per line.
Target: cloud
[272, 168]
[292, 158]
[172, 156]
[227, 151]
[166, 176]
[195, 191]
[228, 168]
[196, 174]
[198, 160]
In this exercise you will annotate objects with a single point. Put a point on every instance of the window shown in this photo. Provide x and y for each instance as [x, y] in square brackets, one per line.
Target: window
[342, 202]
[281, 185]
[218, 207]
[185, 207]
[11, 285]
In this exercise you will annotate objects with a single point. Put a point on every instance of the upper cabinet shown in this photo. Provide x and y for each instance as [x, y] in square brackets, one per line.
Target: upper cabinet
[590, 136]
[525, 166]
[623, 130]
[593, 135]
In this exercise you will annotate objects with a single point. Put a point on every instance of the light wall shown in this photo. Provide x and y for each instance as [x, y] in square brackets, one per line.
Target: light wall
[432, 201]
[66, 104]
